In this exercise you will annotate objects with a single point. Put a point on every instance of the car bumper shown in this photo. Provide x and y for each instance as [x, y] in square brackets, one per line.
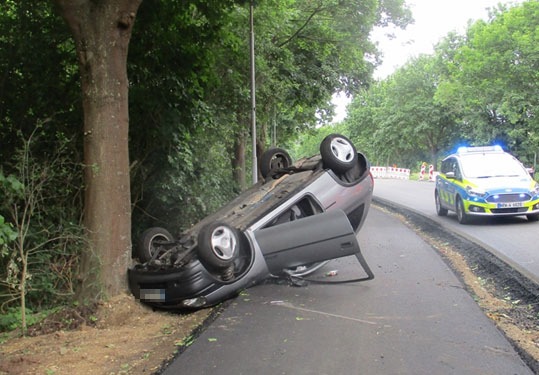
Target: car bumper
[493, 209]
[186, 287]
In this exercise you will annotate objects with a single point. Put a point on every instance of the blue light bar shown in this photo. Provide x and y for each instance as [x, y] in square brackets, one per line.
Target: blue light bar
[465, 149]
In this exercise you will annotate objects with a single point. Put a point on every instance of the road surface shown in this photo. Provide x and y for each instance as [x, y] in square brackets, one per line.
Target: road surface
[514, 240]
[415, 317]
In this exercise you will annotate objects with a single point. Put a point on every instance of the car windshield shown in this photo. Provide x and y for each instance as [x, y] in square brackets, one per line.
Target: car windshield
[491, 165]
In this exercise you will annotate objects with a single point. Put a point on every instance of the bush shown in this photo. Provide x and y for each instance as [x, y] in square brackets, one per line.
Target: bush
[42, 242]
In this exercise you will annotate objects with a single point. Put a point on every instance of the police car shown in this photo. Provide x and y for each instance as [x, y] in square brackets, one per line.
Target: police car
[485, 181]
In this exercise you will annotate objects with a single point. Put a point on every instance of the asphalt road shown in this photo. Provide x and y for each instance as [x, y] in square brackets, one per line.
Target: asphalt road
[415, 317]
[514, 240]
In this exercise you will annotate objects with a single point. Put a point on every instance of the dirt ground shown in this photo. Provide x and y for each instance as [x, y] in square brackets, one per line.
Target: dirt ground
[123, 336]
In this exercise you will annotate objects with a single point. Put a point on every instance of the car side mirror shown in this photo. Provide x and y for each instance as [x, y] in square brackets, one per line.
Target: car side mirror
[450, 175]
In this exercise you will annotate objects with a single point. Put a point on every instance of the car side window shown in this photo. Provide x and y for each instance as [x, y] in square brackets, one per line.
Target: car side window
[446, 166]
[458, 174]
[451, 165]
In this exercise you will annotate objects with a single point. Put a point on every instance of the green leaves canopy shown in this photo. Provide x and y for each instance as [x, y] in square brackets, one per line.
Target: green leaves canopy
[188, 71]
[479, 88]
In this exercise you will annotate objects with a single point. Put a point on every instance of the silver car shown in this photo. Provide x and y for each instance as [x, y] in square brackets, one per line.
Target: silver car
[297, 217]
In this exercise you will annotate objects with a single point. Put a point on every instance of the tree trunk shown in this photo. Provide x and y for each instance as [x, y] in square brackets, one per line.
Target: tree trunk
[102, 30]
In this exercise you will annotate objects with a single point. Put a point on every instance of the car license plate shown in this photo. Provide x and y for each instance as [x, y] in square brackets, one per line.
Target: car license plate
[510, 205]
[152, 295]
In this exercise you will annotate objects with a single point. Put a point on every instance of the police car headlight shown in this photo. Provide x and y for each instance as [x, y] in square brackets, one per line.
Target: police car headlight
[475, 192]
[536, 189]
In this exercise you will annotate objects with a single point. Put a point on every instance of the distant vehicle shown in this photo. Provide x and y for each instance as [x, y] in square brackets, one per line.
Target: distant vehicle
[299, 216]
[485, 181]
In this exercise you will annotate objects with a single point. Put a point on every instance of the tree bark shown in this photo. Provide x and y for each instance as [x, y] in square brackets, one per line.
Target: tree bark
[102, 31]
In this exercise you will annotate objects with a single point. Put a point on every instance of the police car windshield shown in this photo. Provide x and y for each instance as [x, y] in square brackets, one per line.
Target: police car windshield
[491, 165]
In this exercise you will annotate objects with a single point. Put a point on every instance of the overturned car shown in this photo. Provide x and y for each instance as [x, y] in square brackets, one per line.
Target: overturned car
[299, 216]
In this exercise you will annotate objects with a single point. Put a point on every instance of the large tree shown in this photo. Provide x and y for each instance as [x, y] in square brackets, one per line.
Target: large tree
[102, 31]
[496, 75]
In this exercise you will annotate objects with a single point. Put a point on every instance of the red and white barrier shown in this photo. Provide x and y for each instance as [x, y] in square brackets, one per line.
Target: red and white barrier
[390, 172]
[378, 172]
[432, 173]
[403, 173]
[422, 172]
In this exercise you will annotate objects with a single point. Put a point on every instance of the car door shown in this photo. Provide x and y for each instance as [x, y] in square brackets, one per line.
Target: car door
[324, 236]
[446, 183]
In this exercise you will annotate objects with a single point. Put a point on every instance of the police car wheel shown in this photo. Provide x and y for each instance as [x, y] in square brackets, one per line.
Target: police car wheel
[439, 209]
[461, 213]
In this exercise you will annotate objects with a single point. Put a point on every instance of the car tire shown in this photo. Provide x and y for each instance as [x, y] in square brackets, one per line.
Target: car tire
[218, 245]
[439, 209]
[149, 245]
[462, 216]
[274, 158]
[532, 217]
[338, 153]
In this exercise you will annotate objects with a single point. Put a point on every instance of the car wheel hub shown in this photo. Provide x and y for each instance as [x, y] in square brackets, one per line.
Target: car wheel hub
[278, 162]
[342, 150]
[223, 243]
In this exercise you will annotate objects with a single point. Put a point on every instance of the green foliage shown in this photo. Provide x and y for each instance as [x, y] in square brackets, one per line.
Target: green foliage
[498, 66]
[180, 156]
[38, 264]
[190, 96]
[194, 183]
[35, 86]
[40, 196]
[8, 186]
[480, 88]
[7, 235]
[190, 111]
[308, 143]
[10, 319]
[308, 51]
